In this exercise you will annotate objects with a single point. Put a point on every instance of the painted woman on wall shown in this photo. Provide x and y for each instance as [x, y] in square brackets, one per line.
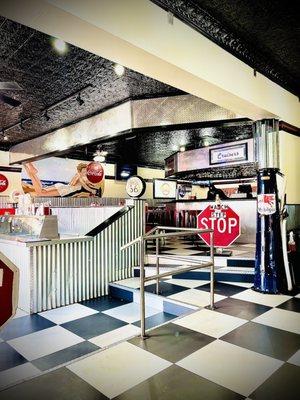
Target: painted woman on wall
[79, 186]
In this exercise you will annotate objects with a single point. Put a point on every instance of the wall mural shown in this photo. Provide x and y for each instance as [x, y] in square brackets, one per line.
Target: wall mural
[87, 181]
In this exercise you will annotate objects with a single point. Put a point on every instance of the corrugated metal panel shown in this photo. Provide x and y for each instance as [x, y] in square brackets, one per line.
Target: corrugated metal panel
[64, 273]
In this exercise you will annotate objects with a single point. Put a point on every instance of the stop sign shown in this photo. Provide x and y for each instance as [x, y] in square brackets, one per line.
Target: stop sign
[223, 220]
[9, 289]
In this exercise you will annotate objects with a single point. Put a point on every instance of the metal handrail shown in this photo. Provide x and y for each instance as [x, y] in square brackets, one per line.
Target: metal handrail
[180, 232]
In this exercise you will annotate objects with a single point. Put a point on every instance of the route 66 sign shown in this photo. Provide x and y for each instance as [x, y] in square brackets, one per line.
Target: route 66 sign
[266, 204]
[135, 186]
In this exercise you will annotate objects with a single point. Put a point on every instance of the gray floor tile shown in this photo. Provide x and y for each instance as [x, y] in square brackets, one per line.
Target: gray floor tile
[176, 383]
[61, 384]
[240, 308]
[64, 356]
[264, 339]
[172, 342]
[282, 385]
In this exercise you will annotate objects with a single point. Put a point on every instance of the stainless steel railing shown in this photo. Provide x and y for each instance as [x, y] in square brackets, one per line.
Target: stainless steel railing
[156, 234]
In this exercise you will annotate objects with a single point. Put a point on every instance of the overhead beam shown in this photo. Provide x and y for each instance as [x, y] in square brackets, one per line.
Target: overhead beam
[137, 34]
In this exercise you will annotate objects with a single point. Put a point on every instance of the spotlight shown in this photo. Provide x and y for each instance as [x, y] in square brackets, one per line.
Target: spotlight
[100, 156]
[5, 137]
[80, 100]
[47, 118]
[182, 148]
[119, 69]
[59, 46]
[22, 125]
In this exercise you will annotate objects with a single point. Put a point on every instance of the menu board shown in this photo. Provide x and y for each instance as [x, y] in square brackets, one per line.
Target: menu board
[164, 189]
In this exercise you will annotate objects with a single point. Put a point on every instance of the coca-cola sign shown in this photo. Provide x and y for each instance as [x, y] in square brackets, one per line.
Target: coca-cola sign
[3, 183]
[95, 172]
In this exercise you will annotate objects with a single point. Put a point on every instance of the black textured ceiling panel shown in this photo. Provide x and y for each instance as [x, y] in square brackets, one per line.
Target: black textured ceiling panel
[265, 34]
[150, 147]
[27, 57]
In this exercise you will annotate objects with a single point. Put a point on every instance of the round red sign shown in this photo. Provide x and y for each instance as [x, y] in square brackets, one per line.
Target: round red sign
[3, 183]
[223, 220]
[95, 172]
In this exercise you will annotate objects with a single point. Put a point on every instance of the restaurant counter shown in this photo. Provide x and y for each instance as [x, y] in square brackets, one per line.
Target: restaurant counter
[245, 208]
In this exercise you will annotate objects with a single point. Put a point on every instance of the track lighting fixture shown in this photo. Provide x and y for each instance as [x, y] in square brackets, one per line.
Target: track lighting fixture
[22, 125]
[80, 100]
[47, 118]
[5, 137]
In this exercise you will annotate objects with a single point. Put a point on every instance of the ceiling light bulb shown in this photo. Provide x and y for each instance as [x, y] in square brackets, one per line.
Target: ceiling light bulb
[182, 148]
[5, 137]
[60, 46]
[119, 69]
[99, 158]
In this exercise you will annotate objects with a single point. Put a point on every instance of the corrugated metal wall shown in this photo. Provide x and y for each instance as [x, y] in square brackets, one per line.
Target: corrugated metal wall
[68, 272]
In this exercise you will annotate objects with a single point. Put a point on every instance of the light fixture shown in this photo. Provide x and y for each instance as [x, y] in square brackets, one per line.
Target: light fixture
[182, 148]
[22, 125]
[79, 99]
[47, 118]
[99, 156]
[5, 137]
[125, 174]
[119, 69]
[60, 46]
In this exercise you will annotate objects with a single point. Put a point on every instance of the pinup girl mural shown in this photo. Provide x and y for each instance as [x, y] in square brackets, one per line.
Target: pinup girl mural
[79, 186]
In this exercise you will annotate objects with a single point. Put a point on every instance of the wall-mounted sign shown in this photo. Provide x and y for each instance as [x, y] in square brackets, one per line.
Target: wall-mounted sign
[228, 154]
[164, 189]
[3, 183]
[266, 204]
[135, 186]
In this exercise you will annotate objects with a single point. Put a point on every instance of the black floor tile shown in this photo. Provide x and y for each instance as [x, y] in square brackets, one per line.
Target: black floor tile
[9, 357]
[64, 356]
[264, 339]
[93, 325]
[156, 320]
[25, 325]
[172, 342]
[104, 303]
[291, 305]
[223, 289]
[282, 385]
[176, 383]
[60, 384]
[165, 288]
[240, 308]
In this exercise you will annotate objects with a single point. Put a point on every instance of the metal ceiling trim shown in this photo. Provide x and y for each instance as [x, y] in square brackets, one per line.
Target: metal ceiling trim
[165, 111]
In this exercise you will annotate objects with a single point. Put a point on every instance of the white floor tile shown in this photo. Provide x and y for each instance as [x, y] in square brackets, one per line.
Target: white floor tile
[241, 284]
[189, 283]
[133, 283]
[44, 342]
[17, 374]
[115, 336]
[196, 297]
[119, 368]
[231, 366]
[210, 322]
[20, 313]
[295, 359]
[271, 300]
[130, 312]
[281, 319]
[68, 313]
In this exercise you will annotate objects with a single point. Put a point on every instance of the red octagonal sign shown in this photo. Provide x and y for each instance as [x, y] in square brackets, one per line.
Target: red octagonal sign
[223, 220]
[9, 288]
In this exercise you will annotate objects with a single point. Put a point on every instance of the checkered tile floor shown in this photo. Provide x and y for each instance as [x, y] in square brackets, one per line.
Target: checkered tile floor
[189, 247]
[248, 347]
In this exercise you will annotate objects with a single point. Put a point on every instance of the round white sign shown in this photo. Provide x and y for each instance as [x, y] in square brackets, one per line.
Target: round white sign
[135, 186]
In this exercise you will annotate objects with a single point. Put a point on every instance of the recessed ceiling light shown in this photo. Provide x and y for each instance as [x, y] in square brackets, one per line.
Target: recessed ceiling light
[119, 69]
[60, 46]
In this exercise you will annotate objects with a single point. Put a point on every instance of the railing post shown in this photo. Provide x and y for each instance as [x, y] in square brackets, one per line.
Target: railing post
[142, 286]
[212, 272]
[157, 262]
